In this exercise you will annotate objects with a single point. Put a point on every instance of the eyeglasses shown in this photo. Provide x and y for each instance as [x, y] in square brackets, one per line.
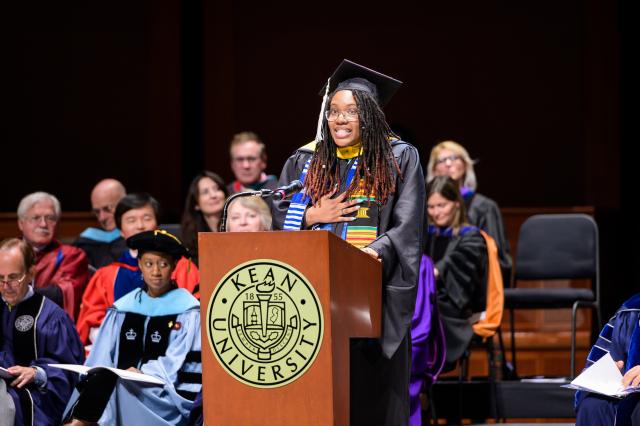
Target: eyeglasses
[451, 158]
[12, 281]
[251, 160]
[50, 218]
[109, 209]
[350, 115]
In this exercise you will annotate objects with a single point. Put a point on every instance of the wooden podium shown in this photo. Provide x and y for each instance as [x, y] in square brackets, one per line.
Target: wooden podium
[348, 286]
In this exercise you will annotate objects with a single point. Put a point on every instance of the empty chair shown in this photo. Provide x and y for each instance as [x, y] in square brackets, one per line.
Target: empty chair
[554, 247]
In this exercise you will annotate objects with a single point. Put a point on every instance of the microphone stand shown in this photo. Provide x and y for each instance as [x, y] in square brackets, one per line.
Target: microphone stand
[263, 193]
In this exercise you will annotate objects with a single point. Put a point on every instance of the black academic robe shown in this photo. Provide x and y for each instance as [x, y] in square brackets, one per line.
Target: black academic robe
[100, 253]
[484, 213]
[37, 332]
[461, 261]
[381, 371]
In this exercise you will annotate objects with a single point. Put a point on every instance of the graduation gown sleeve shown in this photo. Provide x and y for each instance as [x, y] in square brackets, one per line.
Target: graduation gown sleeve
[399, 245]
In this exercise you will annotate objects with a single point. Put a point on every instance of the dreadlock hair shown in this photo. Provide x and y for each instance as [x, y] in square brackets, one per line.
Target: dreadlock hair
[376, 162]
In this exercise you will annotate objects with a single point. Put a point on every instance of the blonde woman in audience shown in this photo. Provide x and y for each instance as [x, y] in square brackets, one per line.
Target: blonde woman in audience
[449, 158]
[248, 214]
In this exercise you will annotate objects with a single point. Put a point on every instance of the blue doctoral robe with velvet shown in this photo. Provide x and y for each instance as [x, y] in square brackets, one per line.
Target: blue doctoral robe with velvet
[134, 402]
[57, 341]
[620, 337]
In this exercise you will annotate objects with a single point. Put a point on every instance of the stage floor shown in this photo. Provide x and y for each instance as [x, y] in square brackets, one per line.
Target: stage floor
[515, 400]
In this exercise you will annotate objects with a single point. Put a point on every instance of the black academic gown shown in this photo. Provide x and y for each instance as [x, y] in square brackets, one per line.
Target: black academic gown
[484, 213]
[461, 261]
[380, 370]
[100, 253]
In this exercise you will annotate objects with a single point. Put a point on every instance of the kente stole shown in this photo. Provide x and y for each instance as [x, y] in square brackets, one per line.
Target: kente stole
[362, 231]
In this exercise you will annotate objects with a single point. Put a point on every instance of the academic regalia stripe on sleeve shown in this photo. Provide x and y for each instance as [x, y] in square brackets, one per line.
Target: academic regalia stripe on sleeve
[299, 201]
[193, 356]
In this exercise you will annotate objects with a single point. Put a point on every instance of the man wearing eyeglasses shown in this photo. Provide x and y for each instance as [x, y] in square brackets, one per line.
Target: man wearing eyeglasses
[61, 270]
[248, 163]
[103, 245]
[34, 332]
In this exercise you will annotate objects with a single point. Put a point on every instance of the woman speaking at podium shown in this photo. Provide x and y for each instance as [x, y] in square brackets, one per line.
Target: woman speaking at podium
[365, 185]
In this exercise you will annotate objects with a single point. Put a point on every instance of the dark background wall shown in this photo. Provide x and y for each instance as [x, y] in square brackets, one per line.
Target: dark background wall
[150, 92]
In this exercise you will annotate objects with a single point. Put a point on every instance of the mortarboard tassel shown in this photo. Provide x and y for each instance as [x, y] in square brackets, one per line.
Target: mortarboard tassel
[319, 136]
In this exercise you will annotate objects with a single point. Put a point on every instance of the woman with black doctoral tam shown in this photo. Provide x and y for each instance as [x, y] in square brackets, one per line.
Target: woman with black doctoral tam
[365, 185]
[154, 330]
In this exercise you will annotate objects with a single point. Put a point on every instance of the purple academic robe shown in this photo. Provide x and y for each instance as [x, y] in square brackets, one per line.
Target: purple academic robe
[56, 341]
[427, 340]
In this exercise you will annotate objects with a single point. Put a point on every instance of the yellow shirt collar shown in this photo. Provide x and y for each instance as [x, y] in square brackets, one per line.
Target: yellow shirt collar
[347, 152]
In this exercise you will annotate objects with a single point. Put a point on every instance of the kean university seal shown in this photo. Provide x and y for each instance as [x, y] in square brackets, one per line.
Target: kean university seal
[265, 323]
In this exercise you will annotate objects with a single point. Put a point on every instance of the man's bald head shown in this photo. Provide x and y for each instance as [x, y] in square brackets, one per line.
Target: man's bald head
[104, 199]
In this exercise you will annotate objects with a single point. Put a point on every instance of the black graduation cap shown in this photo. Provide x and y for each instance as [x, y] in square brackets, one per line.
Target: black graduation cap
[158, 240]
[350, 75]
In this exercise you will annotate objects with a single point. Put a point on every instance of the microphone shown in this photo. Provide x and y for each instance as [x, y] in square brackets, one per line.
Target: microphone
[284, 191]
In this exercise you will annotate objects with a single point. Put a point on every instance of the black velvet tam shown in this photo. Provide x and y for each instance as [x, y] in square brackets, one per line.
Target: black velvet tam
[160, 241]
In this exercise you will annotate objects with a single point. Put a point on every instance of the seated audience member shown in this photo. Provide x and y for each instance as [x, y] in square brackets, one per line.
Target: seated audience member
[153, 330]
[248, 214]
[61, 270]
[451, 159]
[459, 254]
[35, 333]
[248, 162]
[620, 338]
[134, 214]
[105, 244]
[202, 209]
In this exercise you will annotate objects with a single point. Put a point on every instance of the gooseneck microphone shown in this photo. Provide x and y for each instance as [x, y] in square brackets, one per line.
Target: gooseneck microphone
[284, 191]
[277, 194]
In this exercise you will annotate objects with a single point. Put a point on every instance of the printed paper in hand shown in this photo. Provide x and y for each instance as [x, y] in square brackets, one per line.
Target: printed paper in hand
[602, 377]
